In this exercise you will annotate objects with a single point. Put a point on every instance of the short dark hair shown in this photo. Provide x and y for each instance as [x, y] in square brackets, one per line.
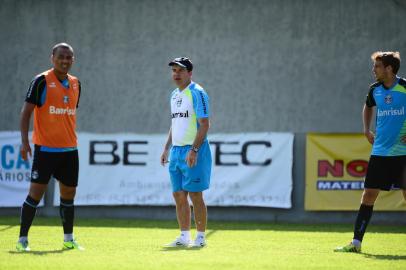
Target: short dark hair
[61, 45]
[388, 59]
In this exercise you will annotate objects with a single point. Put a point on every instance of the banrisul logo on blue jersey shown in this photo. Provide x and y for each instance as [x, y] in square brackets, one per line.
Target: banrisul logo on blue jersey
[13, 167]
[391, 112]
[331, 174]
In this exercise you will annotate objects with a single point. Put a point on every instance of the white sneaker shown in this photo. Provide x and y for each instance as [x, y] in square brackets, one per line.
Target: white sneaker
[178, 242]
[199, 242]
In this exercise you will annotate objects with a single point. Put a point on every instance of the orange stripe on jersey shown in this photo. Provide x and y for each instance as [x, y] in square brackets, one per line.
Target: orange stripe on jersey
[55, 120]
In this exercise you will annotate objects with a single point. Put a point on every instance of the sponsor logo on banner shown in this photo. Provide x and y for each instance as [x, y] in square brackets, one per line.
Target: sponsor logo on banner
[105, 152]
[340, 185]
[15, 173]
[13, 167]
[336, 165]
[253, 169]
[336, 170]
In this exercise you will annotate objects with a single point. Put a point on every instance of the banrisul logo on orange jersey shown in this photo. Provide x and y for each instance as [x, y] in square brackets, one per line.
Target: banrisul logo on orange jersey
[335, 174]
[61, 111]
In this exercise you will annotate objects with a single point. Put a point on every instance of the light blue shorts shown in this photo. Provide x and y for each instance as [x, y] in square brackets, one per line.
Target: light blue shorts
[193, 179]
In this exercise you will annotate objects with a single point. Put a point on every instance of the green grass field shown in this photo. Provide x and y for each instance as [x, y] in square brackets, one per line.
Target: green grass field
[135, 244]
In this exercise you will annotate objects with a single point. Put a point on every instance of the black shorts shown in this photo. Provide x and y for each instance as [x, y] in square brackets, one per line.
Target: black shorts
[64, 166]
[386, 172]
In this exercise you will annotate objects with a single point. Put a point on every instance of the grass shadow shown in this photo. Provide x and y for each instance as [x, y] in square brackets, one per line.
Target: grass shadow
[39, 252]
[180, 248]
[210, 233]
[384, 256]
[166, 249]
[7, 228]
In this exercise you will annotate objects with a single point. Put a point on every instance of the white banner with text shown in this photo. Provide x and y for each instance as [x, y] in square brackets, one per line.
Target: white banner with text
[15, 173]
[249, 169]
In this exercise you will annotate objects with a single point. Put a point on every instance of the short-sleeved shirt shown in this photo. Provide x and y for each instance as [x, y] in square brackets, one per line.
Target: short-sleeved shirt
[187, 106]
[390, 117]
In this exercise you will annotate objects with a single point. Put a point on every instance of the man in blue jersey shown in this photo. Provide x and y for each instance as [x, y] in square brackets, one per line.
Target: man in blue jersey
[387, 164]
[188, 151]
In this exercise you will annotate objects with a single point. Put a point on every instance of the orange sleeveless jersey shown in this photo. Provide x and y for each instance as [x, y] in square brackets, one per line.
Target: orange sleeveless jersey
[55, 120]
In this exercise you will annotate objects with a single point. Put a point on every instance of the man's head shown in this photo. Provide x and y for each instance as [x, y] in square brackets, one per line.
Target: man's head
[181, 71]
[62, 57]
[386, 64]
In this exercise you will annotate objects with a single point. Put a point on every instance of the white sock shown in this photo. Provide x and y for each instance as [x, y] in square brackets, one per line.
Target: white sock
[356, 242]
[185, 235]
[23, 239]
[200, 235]
[68, 237]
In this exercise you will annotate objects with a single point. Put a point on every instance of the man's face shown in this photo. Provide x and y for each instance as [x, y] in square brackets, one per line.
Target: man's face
[62, 60]
[380, 71]
[181, 76]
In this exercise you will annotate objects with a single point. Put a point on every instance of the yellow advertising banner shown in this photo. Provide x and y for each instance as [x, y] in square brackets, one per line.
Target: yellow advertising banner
[336, 165]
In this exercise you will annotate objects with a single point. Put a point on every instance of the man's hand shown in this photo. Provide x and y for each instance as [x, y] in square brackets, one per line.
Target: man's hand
[24, 149]
[370, 136]
[191, 159]
[164, 157]
[403, 139]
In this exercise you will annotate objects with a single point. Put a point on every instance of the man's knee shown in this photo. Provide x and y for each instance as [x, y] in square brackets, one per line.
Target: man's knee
[37, 191]
[369, 196]
[180, 196]
[67, 193]
[196, 197]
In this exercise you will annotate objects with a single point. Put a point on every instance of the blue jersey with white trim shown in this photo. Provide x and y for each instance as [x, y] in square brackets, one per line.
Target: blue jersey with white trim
[390, 118]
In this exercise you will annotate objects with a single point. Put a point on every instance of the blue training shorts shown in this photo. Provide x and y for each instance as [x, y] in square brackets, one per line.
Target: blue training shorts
[194, 179]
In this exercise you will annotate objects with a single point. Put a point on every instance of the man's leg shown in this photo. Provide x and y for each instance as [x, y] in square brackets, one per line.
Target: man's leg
[67, 210]
[199, 210]
[404, 193]
[28, 211]
[364, 216]
[183, 214]
[67, 173]
[200, 214]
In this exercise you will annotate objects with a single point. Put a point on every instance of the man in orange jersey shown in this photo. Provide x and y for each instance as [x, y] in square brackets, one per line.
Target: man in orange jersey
[53, 96]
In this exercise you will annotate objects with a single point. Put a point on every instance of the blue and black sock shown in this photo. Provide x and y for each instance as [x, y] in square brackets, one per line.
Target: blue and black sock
[361, 223]
[28, 211]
